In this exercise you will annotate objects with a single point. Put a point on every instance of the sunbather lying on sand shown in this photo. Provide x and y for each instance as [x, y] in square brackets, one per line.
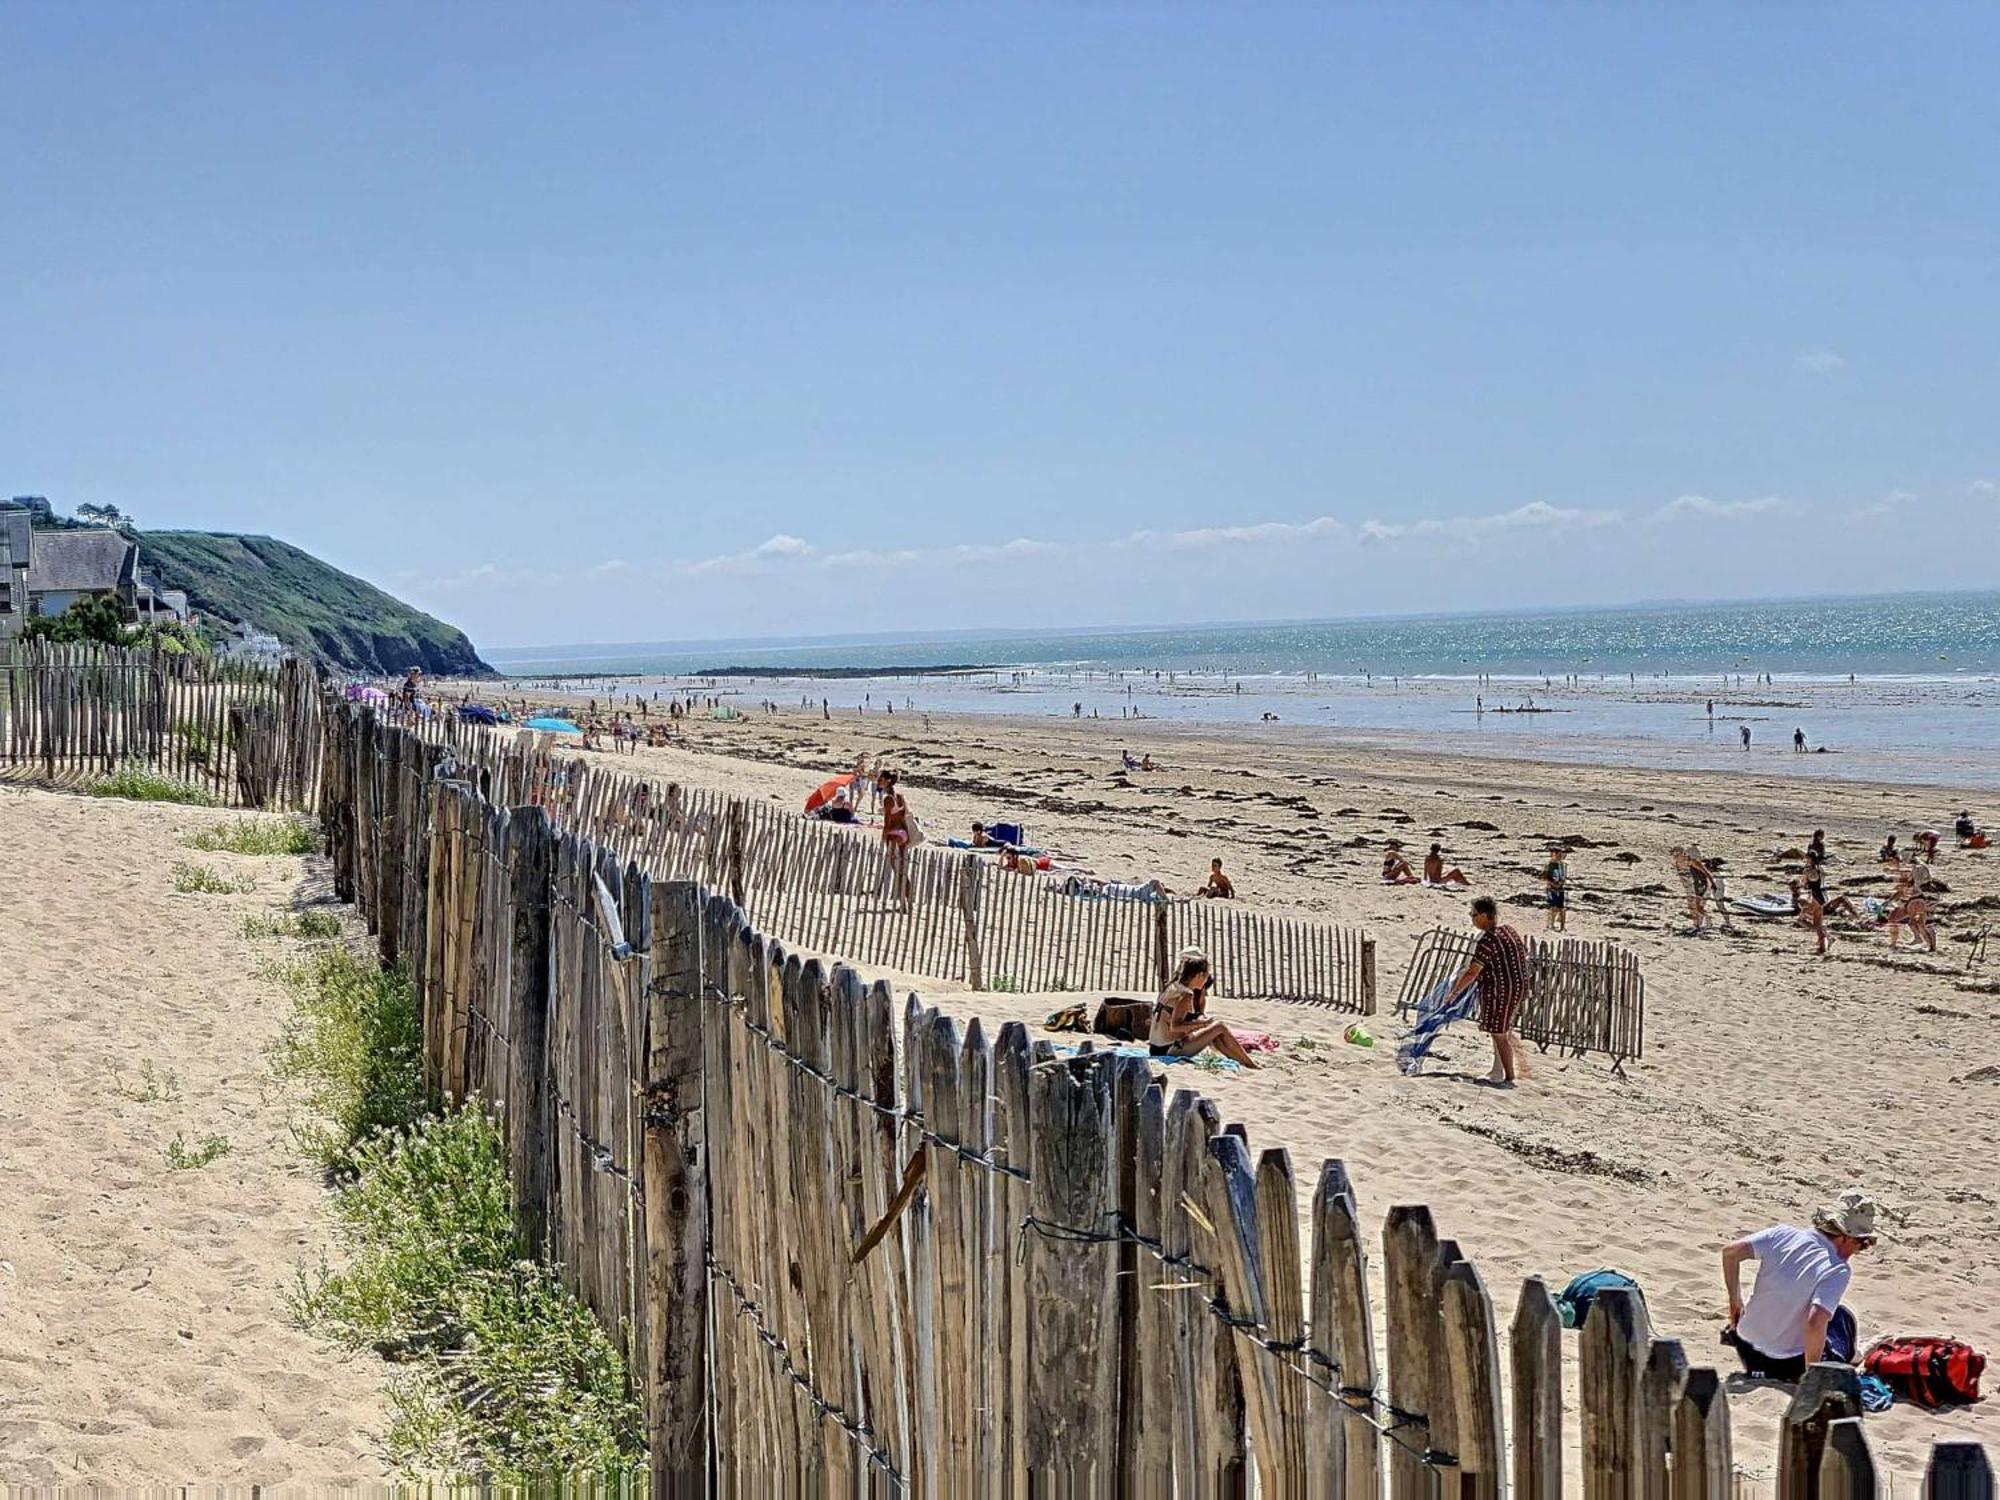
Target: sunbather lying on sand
[1181, 1027]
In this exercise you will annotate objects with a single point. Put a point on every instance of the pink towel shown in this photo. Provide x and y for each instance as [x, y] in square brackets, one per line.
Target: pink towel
[1257, 1041]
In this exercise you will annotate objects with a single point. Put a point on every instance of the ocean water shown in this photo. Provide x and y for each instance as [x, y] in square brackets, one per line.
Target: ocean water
[1900, 688]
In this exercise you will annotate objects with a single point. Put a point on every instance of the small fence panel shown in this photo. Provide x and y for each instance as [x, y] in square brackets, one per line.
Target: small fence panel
[1586, 995]
[247, 735]
[851, 1247]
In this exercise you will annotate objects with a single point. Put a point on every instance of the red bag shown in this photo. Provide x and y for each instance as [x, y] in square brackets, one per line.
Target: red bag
[1932, 1372]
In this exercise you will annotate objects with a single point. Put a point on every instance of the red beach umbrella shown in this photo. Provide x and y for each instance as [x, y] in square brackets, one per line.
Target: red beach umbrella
[827, 792]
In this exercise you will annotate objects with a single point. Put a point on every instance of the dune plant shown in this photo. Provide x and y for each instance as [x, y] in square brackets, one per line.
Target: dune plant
[137, 784]
[256, 836]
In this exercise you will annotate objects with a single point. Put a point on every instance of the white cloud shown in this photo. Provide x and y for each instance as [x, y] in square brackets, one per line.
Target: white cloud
[1819, 362]
[1983, 489]
[1225, 536]
[782, 545]
[1702, 508]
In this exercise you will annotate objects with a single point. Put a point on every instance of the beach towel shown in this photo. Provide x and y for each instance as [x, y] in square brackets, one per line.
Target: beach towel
[1766, 906]
[1206, 1059]
[1256, 1041]
[1433, 1015]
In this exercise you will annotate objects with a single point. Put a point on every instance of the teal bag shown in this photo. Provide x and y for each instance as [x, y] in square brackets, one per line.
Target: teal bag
[1574, 1303]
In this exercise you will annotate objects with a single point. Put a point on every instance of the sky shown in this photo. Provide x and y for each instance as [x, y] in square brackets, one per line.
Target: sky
[607, 322]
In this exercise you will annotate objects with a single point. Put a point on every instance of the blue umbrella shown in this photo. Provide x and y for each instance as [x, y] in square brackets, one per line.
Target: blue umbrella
[477, 713]
[554, 726]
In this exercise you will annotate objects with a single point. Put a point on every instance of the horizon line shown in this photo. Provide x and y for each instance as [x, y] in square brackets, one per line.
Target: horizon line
[976, 633]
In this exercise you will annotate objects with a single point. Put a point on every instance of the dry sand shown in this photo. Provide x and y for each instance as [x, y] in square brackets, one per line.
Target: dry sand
[1772, 1078]
[143, 1336]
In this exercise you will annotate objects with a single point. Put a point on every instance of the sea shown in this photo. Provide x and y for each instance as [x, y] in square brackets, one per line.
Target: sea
[1898, 688]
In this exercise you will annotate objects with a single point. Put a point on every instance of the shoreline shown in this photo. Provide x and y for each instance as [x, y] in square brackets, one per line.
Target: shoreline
[1547, 753]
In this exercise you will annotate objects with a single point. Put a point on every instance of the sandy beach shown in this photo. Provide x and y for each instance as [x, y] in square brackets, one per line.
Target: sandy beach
[1772, 1078]
[143, 1332]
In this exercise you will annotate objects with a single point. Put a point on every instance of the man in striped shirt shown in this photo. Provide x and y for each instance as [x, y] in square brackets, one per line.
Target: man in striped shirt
[1500, 967]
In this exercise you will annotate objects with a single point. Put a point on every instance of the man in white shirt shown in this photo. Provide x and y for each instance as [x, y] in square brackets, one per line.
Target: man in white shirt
[1801, 1276]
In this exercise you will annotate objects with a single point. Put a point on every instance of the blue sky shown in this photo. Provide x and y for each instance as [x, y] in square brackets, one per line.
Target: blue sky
[597, 322]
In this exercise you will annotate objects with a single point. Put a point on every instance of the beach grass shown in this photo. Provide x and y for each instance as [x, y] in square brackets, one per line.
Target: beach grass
[311, 926]
[500, 1372]
[257, 836]
[185, 1157]
[137, 784]
[154, 1085]
[199, 880]
[503, 1373]
[354, 1041]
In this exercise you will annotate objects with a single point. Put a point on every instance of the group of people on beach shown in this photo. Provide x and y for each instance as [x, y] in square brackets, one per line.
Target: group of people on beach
[1438, 875]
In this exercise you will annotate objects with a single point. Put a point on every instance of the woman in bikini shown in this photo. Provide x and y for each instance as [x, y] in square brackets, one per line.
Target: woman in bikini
[1911, 908]
[1396, 869]
[896, 839]
[1181, 1027]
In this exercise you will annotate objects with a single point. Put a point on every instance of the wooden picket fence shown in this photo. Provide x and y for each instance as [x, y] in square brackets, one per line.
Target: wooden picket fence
[830, 889]
[854, 1247]
[1586, 996]
[248, 735]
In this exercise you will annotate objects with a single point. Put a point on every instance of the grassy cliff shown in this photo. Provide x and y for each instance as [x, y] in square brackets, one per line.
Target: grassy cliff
[316, 610]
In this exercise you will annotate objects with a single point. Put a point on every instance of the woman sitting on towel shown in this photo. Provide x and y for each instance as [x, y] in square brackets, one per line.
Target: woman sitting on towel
[1396, 869]
[1181, 1027]
[1436, 874]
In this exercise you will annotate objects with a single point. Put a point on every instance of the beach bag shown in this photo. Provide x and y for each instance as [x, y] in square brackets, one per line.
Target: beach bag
[1574, 1303]
[1124, 1020]
[1069, 1018]
[1930, 1371]
[916, 828]
[1840, 1335]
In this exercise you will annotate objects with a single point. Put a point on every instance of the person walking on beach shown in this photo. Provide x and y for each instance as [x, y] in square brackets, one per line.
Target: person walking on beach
[1502, 969]
[1746, 736]
[1556, 878]
[1802, 1274]
[1798, 741]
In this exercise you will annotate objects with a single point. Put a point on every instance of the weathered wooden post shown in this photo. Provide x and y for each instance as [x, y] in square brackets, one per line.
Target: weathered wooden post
[676, 1177]
[1367, 976]
[1827, 1393]
[969, 881]
[1616, 1341]
[1163, 961]
[734, 853]
[1409, 1248]
[1959, 1471]
[1073, 1334]
[1846, 1467]
[530, 850]
[1535, 1353]
[1703, 1463]
[1659, 1403]
[1474, 1351]
[1349, 1467]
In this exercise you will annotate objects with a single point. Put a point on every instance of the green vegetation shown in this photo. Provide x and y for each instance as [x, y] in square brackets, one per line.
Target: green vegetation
[316, 610]
[152, 1088]
[355, 1040]
[257, 836]
[100, 618]
[501, 1373]
[199, 880]
[312, 926]
[137, 784]
[185, 1158]
[506, 1375]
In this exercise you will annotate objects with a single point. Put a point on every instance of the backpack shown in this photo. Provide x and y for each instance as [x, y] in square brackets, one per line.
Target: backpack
[1930, 1371]
[1124, 1020]
[1574, 1303]
[1841, 1336]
